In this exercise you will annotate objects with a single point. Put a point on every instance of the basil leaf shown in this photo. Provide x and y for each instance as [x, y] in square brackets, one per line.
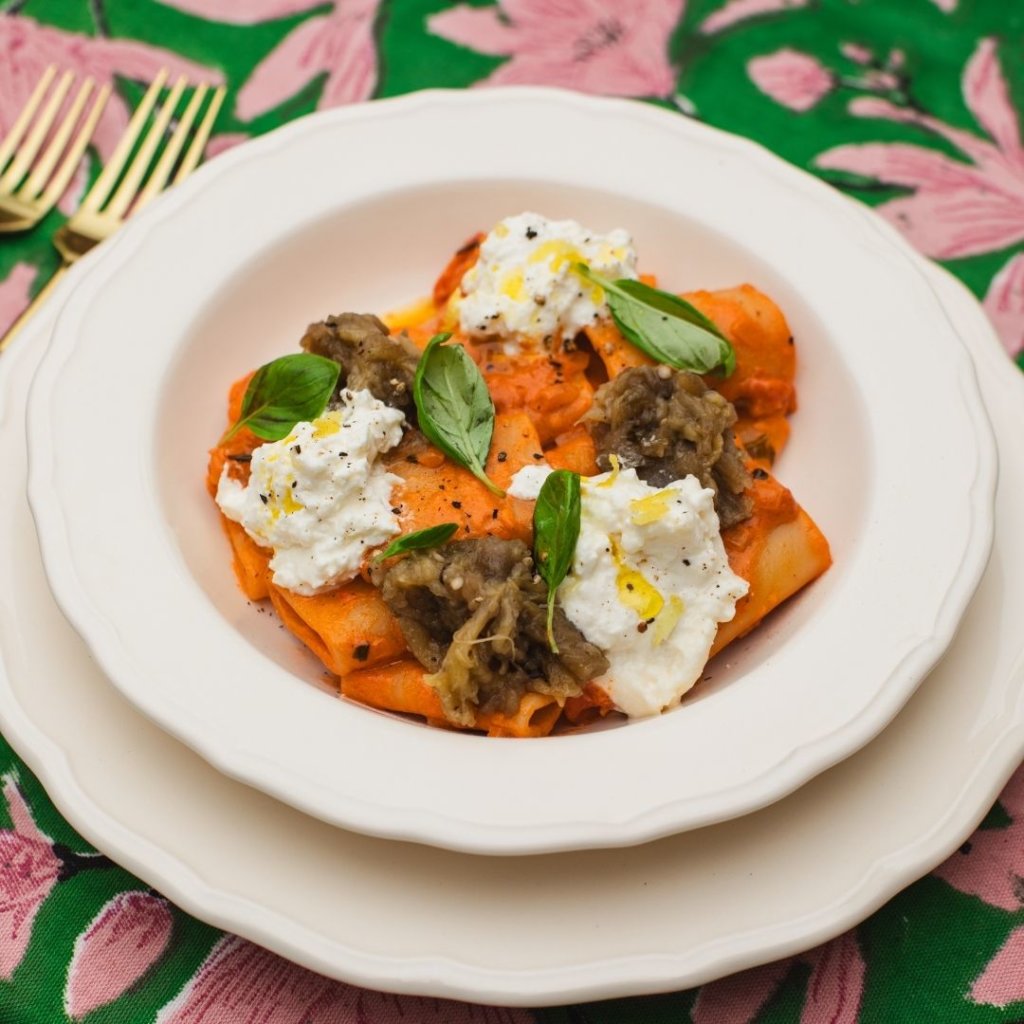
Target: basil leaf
[454, 406]
[284, 392]
[665, 326]
[418, 540]
[556, 528]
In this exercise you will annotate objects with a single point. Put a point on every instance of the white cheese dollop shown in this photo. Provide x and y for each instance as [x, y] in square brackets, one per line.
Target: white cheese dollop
[524, 285]
[649, 584]
[527, 482]
[318, 497]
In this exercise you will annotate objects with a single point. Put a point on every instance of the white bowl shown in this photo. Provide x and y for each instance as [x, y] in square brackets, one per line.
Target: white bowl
[357, 209]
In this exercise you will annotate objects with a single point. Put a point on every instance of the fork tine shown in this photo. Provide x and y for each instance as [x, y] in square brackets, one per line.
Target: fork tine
[27, 150]
[140, 164]
[108, 176]
[46, 163]
[59, 182]
[13, 137]
[195, 150]
[169, 156]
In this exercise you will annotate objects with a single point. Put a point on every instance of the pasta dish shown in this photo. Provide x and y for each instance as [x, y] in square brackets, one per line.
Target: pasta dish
[542, 496]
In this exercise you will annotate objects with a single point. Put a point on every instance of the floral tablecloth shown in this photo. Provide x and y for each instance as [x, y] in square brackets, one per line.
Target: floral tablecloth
[913, 106]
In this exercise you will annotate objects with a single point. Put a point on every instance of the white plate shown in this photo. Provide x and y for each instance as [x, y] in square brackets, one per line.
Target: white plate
[219, 278]
[573, 926]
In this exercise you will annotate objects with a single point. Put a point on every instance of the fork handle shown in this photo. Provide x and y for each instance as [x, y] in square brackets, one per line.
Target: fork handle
[37, 301]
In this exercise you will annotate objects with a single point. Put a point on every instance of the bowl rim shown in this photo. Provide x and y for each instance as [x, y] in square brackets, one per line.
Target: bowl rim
[54, 518]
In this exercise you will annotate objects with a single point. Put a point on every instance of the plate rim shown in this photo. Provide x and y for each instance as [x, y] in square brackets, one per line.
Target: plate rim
[440, 827]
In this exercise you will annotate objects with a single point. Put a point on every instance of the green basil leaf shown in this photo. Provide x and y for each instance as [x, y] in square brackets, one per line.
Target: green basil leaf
[665, 326]
[418, 540]
[286, 391]
[454, 406]
[556, 529]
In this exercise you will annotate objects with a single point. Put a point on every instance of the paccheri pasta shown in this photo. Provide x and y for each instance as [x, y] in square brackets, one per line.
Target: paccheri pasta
[545, 406]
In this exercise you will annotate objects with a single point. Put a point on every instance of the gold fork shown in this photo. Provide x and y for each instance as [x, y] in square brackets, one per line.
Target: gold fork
[30, 188]
[106, 207]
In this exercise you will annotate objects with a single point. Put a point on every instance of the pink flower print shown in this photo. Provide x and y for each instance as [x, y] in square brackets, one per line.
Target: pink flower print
[240, 983]
[125, 939]
[595, 46]
[14, 293]
[857, 53]
[946, 5]
[29, 869]
[739, 998]
[836, 985]
[794, 79]
[990, 865]
[339, 44]
[877, 76]
[834, 989]
[1002, 981]
[958, 208]
[1004, 304]
[734, 11]
[27, 48]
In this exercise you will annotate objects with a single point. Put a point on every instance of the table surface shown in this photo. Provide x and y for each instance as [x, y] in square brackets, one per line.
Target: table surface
[913, 107]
